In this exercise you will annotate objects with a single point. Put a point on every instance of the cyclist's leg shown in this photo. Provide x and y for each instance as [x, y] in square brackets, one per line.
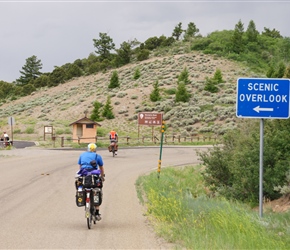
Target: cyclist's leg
[97, 213]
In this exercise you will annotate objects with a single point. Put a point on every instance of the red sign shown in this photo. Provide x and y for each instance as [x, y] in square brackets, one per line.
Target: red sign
[152, 119]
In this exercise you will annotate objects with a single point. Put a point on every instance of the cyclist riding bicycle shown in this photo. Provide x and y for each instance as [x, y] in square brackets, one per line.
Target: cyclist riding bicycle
[6, 140]
[113, 139]
[89, 161]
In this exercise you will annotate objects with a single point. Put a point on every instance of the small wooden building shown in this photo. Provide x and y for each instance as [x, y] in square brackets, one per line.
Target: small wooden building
[85, 130]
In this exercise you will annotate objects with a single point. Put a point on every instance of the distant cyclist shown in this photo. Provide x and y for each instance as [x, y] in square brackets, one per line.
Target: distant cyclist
[5, 136]
[90, 161]
[114, 138]
[6, 140]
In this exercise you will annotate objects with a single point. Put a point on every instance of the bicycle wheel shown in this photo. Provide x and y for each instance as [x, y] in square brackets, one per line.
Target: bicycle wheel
[93, 212]
[113, 151]
[89, 221]
[88, 215]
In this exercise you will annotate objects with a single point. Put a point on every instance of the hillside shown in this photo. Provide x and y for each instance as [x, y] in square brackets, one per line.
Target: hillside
[205, 113]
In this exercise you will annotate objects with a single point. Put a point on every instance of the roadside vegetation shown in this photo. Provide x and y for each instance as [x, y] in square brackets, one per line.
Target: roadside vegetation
[212, 206]
[184, 212]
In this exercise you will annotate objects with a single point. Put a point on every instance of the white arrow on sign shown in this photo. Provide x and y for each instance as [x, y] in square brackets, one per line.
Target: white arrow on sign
[258, 109]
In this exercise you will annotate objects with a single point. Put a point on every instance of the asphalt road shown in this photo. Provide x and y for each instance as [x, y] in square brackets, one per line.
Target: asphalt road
[38, 209]
[21, 144]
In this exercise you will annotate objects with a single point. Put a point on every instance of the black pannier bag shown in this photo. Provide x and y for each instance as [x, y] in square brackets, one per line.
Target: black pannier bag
[92, 181]
[97, 196]
[80, 198]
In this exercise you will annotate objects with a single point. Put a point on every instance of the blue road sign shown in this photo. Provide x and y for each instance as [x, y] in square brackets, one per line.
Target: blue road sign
[263, 98]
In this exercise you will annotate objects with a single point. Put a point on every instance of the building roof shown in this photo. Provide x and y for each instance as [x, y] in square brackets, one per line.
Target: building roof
[85, 120]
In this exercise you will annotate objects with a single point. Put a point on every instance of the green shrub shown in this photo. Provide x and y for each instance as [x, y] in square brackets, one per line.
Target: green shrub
[137, 74]
[232, 170]
[210, 85]
[17, 131]
[101, 132]
[29, 130]
[171, 91]
[121, 94]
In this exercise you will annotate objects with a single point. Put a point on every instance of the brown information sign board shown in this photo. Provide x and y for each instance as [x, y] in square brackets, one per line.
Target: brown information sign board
[148, 118]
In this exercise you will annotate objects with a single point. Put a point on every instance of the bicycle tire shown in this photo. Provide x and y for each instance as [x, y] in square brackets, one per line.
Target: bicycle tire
[89, 214]
[89, 222]
[113, 151]
[93, 213]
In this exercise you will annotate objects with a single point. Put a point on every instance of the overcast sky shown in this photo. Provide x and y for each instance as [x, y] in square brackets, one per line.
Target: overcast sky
[59, 32]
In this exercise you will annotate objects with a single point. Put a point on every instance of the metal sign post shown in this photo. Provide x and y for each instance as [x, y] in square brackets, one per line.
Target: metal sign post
[153, 119]
[261, 170]
[262, 98]
[161, 146]
[11, 122]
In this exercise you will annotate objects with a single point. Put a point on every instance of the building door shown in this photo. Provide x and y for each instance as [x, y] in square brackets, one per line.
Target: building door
[79, 130]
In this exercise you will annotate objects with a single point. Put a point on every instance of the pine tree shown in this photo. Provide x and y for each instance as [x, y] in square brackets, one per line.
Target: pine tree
[108, 109]
[114, 82]
[271, 33]
[103, 46]
[95, 116]
[237, 39]
[177, 32]
[182, 94]
[210, 85]
[155, 94]
[183, 77]
[31, 70]
[218, 77]
[191, 31]
[124, 53]
[252, 33]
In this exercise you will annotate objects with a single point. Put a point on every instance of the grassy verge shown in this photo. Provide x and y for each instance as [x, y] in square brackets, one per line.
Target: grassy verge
[182, 213]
